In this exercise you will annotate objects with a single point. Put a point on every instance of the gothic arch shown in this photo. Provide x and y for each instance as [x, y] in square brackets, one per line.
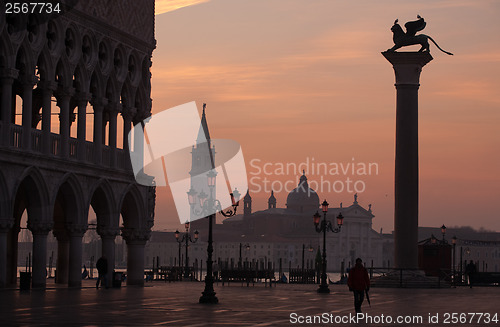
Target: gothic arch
[127, 95]
[69, 191]
[140, 105]
[25, 62]
[81, 81]
[32, 192]
[45, 65]
[7, 56]
[132, 208]
[97, 84]
[103, 203]
[64, 75]
[112, 90]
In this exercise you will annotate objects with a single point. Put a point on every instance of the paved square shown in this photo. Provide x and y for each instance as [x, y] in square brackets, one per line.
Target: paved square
[176, 304]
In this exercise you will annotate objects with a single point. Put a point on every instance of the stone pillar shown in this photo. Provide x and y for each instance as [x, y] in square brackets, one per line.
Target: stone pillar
[98, 105]
[48, 89]
[40, 231]
[7, 77]
[5, 225]
[139, 144]
[82, 100]
[62, 265]
[63, 98]
[136, 240]
[407, 67]
[108, 236]
[113, 110]
[127, 114]
[75, 233]
[27, 120]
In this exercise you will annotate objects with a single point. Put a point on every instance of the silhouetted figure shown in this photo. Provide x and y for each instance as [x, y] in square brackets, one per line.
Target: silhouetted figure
[102, 269]
[470, 270]
[85, 272]
[358, 283]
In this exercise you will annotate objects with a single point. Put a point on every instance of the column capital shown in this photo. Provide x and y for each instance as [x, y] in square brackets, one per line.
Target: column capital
[128, 113]
[82, 97]
[76, 229]
[140, 116]
[64, 92]
[6, 224]
[136, 236]
[47, 86]
[61, 234]
[28, 81]
[114, 108]
[99, 103]
[407, 65]
[107, 232]
[40, 227]
[8, 74]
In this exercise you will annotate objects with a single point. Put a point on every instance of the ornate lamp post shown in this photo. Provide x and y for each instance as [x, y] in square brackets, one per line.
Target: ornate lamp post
[323, 228]
[208, 205]
[454, 243]
[186, 237]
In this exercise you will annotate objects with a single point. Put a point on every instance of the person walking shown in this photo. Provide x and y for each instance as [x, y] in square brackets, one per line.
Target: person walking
[102, 269]
[470, 270]
[358, 282]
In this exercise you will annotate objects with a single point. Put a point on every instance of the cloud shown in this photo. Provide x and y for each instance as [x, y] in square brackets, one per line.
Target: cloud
[163, 6]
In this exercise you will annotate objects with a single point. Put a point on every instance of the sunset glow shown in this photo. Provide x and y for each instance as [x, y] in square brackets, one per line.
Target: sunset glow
[291, 80]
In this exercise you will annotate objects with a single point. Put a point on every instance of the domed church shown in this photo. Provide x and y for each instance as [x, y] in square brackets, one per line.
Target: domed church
[303, 199]
[280, 234]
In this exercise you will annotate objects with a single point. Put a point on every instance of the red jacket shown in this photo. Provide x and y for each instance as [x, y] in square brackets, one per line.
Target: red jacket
[358, 279]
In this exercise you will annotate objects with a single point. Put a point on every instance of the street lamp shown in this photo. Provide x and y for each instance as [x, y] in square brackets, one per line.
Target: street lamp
[323, 228]
[454, 243]
[247, 247]
[208, 206]
[443, 231]
[186, 237]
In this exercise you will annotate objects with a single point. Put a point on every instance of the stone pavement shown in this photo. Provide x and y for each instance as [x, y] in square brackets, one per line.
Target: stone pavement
[176, 304]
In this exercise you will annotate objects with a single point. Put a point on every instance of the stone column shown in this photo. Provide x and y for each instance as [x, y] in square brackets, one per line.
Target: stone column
[136, 240]
[139, 144]
[27, 113]
[75, 233]
[407, 67]
[113, 110]
[7, 77]
[82, 100]
[127, 114]
[98, 105]
[63, 98]
[5, 226]
[40, 231]
[62, 265]
[48, 89]
[108, 236]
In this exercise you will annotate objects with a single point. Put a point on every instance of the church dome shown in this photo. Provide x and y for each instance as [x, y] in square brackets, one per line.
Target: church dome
[303, 198]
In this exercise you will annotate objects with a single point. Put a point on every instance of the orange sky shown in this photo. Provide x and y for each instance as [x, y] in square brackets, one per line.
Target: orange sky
[295, 79]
